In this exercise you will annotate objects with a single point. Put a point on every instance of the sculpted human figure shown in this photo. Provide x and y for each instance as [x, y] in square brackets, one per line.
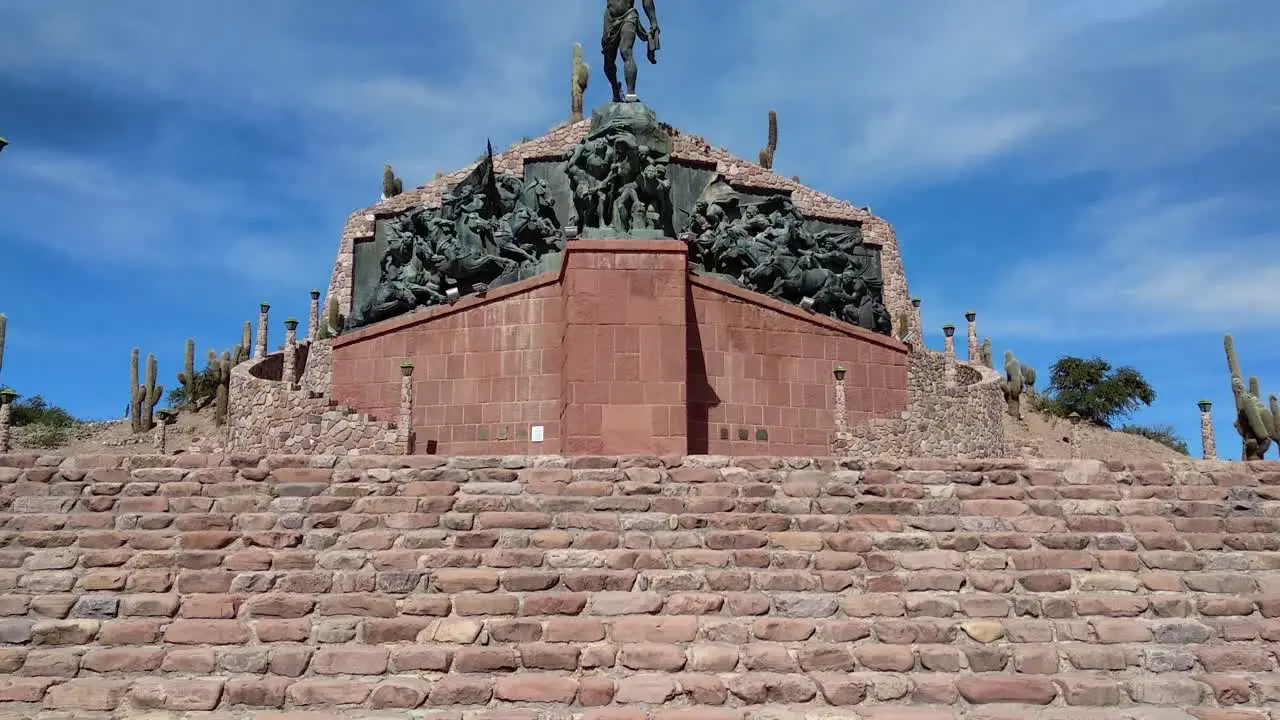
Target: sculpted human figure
[621, 27]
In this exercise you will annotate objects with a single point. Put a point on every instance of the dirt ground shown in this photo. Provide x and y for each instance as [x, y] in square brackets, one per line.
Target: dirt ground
[115, 437]
[1044, 436]
[1036, 435]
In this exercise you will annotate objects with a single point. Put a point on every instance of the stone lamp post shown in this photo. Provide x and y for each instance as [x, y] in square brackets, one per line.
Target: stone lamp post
[158, 438]
[290, 372]
[971, 318]
[313, 318]
[841, 410]
[949, 354]
[404, 428]
[260, 342]
[6, 399]
[1206, 430]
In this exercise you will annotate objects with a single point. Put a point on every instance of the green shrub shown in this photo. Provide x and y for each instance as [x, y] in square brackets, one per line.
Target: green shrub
[47, 436]
[1096, 392]
[1163, 434]
[35, 411]
[198, 394]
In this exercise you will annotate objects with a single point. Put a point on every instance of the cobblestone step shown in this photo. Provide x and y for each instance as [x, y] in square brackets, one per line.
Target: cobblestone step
[641, 588]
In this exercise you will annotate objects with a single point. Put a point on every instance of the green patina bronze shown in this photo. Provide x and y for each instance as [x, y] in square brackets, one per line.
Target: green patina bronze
[621, 28]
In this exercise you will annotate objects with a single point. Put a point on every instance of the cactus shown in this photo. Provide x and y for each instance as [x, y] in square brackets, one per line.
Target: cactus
[1256, 423]
[186, 378]
[902, 324]
[4, 322]
[391, 185]
[1012, 385]
[766, 154]
[143, 397]
[1028, 379]
[331, 325]
[246, 335]
[578, 84]
[984, 354]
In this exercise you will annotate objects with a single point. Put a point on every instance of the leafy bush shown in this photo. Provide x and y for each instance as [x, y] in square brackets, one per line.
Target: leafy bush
[200, 394]
[1163, 434]
[35, 411]
[1095, 391]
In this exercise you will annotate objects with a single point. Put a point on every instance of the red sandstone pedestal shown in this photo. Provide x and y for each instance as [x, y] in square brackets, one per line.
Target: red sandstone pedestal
[623, 351]
[624, 347]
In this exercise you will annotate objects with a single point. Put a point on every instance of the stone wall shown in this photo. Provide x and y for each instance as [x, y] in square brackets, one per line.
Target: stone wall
[602, 588]
[761, 374]
[688, 148]
[963, 421]
[487, 369]
[266, 416]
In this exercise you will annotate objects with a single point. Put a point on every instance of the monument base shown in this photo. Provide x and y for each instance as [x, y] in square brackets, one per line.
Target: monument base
[604, 233]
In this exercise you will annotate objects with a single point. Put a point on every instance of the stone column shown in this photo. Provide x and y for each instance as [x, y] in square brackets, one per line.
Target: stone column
[6, 399]
[1074, 438]
[643, 411]
[260, 342]
[916, 323]
[404, 427]
[971, 317]
[313, 320]
[1206, 430]
[841, 410]
[161, 430]
[949, 354]
[290, 373]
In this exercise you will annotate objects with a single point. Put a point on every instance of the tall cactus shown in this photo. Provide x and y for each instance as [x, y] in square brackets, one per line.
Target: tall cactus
[4, 323]
[984, 354]
[220, 368]
[1012, 385]
[1256, 423]
[331, 324]
[144, 397]
[1028, 379]
[578, 84]
[246, 335]
[187, 377]
[767, 153]
[391, 185]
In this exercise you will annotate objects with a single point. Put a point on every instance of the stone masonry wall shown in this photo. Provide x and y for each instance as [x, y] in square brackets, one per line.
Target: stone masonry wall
[687, 147]
[944, 422]
[645, 588]
[756, 364]
[265, 416]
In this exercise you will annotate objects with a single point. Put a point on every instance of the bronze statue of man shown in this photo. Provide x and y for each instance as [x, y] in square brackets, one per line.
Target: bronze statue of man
[621, 26]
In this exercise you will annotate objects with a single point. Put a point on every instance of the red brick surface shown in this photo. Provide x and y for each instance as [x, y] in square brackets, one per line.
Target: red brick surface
[485, 368]
[625, 352]
[624, 359]
[756, 364]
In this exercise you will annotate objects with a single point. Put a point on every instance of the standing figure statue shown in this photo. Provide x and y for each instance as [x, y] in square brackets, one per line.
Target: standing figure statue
[621, 26]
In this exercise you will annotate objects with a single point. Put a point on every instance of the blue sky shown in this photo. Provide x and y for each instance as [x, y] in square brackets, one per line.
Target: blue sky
[1090, 176]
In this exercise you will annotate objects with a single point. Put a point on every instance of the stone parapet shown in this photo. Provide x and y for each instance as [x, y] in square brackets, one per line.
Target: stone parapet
[600, 587]
[943, 420]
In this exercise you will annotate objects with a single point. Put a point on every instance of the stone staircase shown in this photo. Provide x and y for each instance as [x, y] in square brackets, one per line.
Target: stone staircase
[201, 586]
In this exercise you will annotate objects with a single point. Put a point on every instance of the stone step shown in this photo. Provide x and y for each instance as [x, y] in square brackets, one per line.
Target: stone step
[474, 589]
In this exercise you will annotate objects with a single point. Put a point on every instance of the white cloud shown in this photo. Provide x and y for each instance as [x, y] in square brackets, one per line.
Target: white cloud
[903, 96]
[1150, 263]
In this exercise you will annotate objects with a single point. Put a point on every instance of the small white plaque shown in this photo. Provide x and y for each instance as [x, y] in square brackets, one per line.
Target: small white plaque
[535, 433]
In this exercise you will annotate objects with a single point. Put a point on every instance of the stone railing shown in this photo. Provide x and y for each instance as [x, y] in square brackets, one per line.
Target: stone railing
[942, 419]
[638, 587]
